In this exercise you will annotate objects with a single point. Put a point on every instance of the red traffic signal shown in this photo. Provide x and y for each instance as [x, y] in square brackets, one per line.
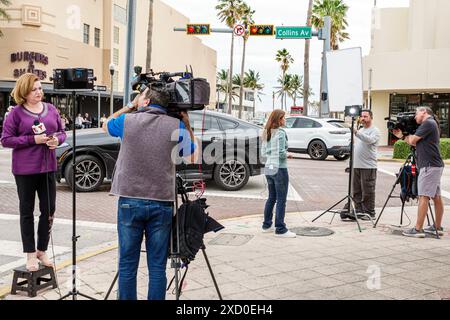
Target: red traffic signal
[262, 30]
[198, 29]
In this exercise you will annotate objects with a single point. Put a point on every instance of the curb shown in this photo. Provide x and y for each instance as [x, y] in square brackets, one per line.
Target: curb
[7, 289]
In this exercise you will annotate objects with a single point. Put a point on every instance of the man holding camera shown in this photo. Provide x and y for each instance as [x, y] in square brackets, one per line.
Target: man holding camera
[431, 167]
[365, 168]
[144, 179]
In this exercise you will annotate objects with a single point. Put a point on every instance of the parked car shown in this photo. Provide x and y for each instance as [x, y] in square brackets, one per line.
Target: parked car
[319, 138]
[229, 158]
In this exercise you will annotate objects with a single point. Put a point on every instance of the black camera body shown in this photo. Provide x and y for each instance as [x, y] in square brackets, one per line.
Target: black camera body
[405, 122]
[186, 93]
[73, 79]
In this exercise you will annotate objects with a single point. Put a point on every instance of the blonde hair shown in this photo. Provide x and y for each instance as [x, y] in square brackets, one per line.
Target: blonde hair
[24, 86]
[273, 123]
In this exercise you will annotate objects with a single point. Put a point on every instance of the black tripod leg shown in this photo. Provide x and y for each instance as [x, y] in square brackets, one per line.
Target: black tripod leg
[112, 285]
[330, 209]
[434, 222]
[401, 215]
[211, 272]
[352, 206]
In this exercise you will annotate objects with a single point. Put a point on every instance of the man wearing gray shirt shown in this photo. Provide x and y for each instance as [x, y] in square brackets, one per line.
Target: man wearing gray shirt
[365, 167]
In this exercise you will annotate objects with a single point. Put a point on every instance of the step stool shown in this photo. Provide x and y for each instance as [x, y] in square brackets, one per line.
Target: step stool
[34, 281]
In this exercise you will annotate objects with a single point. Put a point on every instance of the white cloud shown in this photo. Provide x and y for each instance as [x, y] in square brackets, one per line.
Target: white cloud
[261, 51]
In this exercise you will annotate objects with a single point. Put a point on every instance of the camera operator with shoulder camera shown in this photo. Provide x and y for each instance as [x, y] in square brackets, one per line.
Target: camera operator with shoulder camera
[144, 179]
[431, 167]
[365, 167]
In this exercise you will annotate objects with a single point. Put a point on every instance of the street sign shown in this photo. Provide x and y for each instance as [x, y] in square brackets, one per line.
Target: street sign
[239, 30]
[100, 88]
[294, 32]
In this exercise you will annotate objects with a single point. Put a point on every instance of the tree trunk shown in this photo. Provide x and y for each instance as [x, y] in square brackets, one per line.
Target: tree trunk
[149, 38]
[241, 92]
[230, 89]
[306, 62]
[254, 104]
[283, 96]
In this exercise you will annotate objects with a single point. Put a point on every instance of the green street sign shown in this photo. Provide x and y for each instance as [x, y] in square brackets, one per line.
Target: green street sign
[293, 33]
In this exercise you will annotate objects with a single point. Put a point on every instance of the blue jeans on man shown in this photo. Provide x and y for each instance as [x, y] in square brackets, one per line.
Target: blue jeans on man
[137, 217]
[278, 183]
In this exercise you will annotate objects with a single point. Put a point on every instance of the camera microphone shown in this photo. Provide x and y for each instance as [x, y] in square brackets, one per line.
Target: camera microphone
[38, 127]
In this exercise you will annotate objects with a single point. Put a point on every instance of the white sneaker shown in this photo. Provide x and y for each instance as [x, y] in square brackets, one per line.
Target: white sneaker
[268, 230]
[287, 234]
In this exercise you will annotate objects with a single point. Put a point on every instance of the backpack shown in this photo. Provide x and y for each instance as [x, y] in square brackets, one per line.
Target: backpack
[193, 222]
[408, 182]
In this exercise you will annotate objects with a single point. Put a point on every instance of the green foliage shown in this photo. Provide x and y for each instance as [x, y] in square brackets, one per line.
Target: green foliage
[402, 149]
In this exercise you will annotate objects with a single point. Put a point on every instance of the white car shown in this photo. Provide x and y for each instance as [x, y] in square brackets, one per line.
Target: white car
[319, 138]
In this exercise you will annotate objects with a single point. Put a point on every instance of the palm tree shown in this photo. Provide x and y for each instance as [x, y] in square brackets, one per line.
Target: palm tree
[306, 87]
[150, 36]
[228, 12]
[285, 59]
[3, 13]
[246, 14]
[285, 87]
[337, 10]
[251, 81]
[223, 85]
[295, 88]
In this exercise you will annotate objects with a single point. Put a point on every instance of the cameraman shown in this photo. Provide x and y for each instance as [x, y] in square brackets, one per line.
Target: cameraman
[365, 167]
[431, 166]
[144, 179]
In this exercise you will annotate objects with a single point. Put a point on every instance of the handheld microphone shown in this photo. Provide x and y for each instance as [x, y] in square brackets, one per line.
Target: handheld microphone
[38, 127]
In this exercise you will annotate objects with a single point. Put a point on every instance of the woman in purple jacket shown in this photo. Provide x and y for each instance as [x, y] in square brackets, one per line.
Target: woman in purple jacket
[33, 130]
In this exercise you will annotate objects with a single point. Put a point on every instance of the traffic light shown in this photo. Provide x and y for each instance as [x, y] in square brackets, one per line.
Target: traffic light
[198, 29]
[262, 30]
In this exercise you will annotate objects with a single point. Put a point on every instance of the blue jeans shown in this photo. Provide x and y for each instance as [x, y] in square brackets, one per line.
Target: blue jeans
[137, 217]
[278, 183]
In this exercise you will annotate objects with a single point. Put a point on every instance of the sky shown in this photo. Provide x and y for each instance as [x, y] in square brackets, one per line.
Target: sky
[261, 51]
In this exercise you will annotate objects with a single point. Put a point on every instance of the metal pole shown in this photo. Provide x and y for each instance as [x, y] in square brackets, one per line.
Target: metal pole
[326, 37]
[369, 92]
[98, 119]
[111, 103]
[130, 49]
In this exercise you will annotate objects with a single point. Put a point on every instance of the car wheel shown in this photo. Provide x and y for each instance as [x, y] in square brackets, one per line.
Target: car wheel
[89, 175]
[342, 157]
[317, 150]
[232, 175]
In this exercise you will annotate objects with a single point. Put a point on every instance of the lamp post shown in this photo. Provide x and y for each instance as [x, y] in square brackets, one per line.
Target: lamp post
[112, 69]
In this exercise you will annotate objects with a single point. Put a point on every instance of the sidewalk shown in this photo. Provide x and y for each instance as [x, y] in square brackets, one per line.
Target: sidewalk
[249, 265]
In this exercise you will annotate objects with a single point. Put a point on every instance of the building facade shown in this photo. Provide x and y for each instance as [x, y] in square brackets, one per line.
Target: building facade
[409, 63]
[43, 35]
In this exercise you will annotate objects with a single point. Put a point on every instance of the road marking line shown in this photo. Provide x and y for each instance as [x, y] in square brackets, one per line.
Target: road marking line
[6, 182]
[444, 193]
[292, 194]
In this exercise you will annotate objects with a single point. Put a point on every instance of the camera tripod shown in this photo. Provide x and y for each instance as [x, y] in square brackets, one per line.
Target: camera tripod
[410, 161]
[174, 255]
[348, 197]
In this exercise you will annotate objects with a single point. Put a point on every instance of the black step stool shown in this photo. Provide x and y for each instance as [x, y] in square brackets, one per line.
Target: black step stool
[34, 281]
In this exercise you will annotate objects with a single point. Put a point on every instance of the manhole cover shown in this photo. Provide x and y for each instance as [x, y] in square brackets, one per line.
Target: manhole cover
[312, 231]
[230, 239]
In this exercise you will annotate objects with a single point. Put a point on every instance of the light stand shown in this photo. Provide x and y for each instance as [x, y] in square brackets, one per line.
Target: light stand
[74, 293]
[348, 197]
